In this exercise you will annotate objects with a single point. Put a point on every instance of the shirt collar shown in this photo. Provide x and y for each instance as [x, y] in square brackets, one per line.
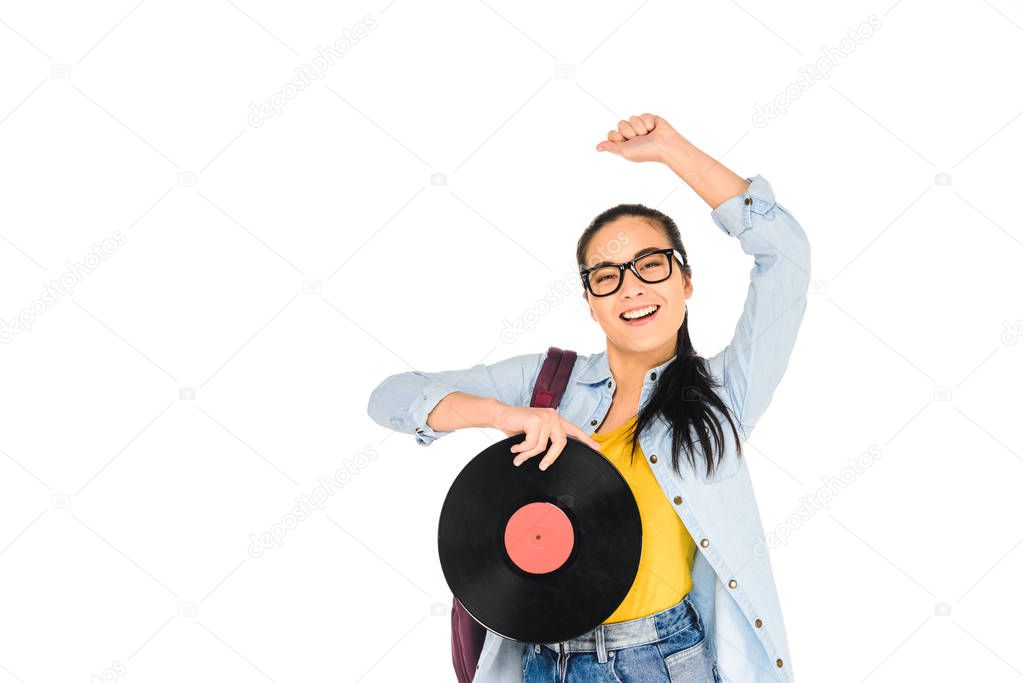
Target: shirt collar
[597, 370]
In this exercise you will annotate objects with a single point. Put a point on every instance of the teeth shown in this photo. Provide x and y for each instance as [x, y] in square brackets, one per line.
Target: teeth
[631, 315]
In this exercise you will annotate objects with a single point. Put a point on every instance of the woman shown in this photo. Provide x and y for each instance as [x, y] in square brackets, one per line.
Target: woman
[703, 607]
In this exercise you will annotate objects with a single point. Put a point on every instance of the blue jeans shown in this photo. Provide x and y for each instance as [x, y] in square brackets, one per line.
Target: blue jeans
[666, 646]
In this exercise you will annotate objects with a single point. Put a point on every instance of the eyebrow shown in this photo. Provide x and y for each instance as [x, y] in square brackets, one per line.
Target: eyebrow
[641, 252]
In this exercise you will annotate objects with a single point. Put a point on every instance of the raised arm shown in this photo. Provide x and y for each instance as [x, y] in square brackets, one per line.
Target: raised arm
[752, 364]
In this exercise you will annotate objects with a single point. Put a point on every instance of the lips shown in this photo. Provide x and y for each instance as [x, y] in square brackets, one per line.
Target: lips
[641, 321]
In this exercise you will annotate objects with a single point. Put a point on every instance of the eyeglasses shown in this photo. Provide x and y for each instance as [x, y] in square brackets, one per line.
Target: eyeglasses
[651, 268]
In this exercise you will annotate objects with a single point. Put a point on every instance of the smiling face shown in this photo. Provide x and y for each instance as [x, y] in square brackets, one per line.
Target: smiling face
[653, 333]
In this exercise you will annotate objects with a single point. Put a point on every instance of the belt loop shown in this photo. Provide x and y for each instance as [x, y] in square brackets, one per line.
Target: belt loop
[601, 651]
[696, 613]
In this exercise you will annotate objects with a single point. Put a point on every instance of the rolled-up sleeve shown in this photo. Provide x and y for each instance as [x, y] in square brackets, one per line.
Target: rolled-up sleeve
[403, 402]
[756, 358]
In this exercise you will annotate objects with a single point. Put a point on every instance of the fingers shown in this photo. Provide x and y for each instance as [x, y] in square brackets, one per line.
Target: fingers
[555, 429]
[579, 434]
[558, 443]
[612, 143]
[613, 147]
[532, 432]
[639, 125]
[538, 447]
[635, 126]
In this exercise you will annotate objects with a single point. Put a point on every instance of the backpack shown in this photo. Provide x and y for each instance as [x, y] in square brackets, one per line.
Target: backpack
[467, 634]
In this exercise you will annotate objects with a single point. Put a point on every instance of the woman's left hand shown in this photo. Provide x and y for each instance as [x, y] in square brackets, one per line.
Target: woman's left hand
[647, 137]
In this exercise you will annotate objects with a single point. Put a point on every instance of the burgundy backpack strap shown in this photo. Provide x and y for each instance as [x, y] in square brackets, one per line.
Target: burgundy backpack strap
[467, 637]
[553, 378]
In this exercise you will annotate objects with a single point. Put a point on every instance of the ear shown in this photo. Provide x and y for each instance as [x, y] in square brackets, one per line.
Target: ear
[686, 286]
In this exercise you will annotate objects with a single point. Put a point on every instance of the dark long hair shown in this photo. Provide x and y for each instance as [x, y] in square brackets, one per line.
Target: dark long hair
[683, 395]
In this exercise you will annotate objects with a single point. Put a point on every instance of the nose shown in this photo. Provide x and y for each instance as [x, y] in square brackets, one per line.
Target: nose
[633, 286]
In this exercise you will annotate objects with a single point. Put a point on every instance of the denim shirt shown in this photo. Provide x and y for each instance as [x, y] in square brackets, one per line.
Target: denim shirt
[733, 587]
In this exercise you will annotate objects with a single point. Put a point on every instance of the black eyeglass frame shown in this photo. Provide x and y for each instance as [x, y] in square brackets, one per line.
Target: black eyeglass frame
[631, 265]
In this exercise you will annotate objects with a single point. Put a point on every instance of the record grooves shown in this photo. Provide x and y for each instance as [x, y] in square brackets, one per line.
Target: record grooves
[540, 556]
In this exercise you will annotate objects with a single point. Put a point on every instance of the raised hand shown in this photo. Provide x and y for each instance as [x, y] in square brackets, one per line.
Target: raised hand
[647, 137]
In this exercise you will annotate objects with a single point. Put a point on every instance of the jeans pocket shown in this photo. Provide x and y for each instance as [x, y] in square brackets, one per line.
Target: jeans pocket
[691, 664]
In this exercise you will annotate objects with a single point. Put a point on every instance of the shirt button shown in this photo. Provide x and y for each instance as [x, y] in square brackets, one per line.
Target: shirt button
[653, 375]
[609, 385]
[747, 202]
[593, 423]
[732, 583]
[653, 458]
[758, 623]
[778, 662]
[678, 500]
[704, 542]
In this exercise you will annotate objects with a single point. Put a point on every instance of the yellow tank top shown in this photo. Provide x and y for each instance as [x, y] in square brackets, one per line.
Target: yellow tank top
[664, 576]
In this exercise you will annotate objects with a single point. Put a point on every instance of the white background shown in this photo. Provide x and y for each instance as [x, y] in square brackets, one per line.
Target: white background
[213, 367]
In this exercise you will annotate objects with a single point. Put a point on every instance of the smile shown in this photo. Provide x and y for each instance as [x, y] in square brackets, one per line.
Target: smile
[642, 320]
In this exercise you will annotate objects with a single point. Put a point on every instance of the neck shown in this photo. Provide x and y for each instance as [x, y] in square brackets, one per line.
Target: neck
[629, 367]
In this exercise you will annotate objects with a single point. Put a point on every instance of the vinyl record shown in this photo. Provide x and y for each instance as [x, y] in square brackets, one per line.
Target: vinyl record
[540, 556]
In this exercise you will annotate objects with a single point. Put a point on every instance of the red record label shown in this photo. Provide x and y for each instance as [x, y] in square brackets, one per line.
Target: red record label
[539, 538]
